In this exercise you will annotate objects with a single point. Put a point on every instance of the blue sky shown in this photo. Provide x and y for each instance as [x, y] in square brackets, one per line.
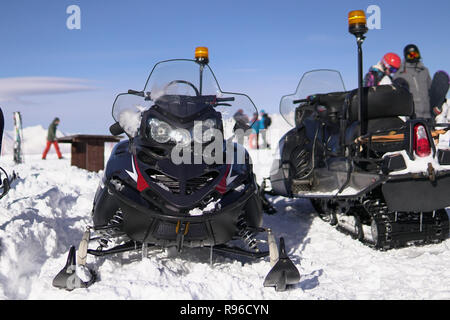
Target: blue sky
[258, 47]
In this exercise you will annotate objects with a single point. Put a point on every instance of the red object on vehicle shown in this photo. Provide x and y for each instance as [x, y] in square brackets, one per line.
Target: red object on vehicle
[422, 145]
[141, 183]
[392, 60]
[222, 186]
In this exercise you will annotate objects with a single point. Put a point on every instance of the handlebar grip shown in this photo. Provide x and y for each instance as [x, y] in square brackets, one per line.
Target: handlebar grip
[136, 93]
[300, 101]
[311, 99]
[225, 99]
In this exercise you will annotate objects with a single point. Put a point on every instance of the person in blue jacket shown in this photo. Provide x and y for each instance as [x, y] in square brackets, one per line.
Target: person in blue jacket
[265, 123]
[256, 123]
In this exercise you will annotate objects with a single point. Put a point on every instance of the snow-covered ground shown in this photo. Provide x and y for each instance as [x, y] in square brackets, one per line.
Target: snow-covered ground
[47, 210]
[34, 141]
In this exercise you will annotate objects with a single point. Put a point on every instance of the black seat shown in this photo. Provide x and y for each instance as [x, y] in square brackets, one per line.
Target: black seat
[385, 104]
[385, 101]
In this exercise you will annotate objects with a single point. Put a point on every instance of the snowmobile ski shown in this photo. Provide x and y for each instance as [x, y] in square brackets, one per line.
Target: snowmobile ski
[68, 279]
[283, 273]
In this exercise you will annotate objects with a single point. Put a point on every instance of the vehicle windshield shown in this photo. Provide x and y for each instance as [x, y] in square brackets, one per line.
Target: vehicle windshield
[312, 82]
[185, 78]
[181, 77]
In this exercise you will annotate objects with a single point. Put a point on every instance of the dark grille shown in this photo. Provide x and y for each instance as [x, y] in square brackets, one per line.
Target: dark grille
[167, 231]
[164, 181]
[192, 185]
[197, 183]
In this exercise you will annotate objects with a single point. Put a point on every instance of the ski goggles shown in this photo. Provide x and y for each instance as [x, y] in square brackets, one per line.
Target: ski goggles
[413, 55]
[393, 69]
[390, 68]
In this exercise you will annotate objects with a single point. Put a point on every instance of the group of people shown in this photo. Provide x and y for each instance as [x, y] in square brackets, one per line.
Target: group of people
[258, 125]
[411, 73]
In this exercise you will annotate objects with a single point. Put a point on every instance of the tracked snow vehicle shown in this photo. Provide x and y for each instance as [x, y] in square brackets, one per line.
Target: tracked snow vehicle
[367, 164]
[178, 182]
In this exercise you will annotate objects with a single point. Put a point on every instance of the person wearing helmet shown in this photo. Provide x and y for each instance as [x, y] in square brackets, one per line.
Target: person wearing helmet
[416, 77]
[383, 71]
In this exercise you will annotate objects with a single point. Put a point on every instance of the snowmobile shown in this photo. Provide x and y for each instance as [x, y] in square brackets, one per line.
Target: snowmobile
[363, 159]
[177, 182]
[7, 181]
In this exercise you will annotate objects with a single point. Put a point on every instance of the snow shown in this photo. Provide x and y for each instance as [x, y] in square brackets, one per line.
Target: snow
[49, 207]
[35, 139]
[130, 121]
[207, 210]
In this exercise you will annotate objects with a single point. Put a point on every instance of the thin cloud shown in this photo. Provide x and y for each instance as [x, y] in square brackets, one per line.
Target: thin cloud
[14, 89]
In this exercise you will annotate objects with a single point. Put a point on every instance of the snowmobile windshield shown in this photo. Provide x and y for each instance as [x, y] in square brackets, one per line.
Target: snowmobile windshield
[183, 88]
[312, 82]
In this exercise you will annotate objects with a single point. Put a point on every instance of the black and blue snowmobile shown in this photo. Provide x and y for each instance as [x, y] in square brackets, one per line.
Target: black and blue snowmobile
[178, 181]
[366, 163]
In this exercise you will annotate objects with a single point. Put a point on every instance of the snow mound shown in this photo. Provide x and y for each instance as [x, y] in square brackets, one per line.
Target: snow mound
[39, 218]
[35, 140]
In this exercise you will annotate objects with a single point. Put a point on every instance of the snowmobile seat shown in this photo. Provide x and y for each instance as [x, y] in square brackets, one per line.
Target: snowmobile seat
[385, 101]
[385, 105]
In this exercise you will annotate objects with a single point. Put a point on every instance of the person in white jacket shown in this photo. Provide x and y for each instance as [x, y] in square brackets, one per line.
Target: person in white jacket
[444, 116]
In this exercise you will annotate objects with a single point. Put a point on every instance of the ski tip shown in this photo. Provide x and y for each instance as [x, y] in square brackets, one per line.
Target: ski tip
[284, 273]
[68, 279]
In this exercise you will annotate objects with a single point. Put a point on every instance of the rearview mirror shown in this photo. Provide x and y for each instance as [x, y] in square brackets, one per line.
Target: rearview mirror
[116, 129]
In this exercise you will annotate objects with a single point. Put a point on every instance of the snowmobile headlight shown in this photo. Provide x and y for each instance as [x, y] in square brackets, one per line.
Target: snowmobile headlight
[159, 130]
[181, 137]
[204, 130]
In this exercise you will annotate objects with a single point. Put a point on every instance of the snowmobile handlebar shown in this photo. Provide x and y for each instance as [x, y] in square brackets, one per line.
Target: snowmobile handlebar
[300, 101]
[311, 99]
[220, 102]
[231, 99]
[136, 93]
